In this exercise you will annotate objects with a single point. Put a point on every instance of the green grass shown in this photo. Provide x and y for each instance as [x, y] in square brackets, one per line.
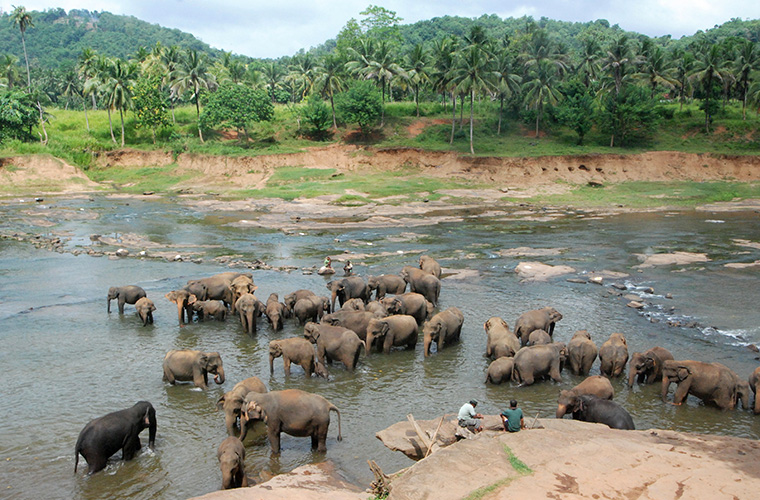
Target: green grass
[519, 467]
[139, 180]
[516, 463]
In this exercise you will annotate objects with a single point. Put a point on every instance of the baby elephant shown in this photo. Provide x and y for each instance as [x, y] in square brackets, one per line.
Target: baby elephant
[213, 308]
[186, 365]
[443, 328]
[125, 295]
[231, 455]
[145, 308]
[500, 370]
[296, 350]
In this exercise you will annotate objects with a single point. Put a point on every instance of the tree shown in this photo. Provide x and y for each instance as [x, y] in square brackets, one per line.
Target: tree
[360, 104]
[655, 69]
[87, 66]
[589, 63]
[329, 81]
[540, 88]
[149, 104]
[576, 110]
[117, 87]
[684, 63]
[273, 74]
[472, 75]
[193, 73]
[381, 66]
[627, 116]
[236, 106]
[23, 20]
[380, 23]
[747, 61]
[616, 60]
[8, 70]
[18, 114]
[508, 81]
[418, 73]
[317, 115]
[708, 69]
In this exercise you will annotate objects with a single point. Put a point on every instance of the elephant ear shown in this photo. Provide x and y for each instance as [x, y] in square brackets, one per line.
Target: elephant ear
[385, 328]
[192, 299]
[203, 359]
[220, 403]
[683, 372]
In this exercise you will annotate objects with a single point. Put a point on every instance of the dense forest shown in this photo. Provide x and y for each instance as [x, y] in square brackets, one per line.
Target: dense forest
[579, 75]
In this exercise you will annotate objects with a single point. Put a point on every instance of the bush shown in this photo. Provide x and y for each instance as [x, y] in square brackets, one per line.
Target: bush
[236, 106]
[361, 104]
[318, 118]
[18, 115]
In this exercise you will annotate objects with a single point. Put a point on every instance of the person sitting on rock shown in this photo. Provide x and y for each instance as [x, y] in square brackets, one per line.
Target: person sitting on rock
[468, 418]
[328, 262]
[512, 418]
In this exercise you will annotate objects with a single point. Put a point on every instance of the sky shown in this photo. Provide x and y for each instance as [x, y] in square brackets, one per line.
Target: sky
[270, 29]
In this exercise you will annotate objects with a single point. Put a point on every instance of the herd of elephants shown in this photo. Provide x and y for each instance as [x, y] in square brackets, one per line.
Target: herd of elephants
[392, 318]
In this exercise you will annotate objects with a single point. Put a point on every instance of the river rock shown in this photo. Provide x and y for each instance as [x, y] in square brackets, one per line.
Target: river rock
[635, 304]
[671, 259]
[537, 271]
[121, 252]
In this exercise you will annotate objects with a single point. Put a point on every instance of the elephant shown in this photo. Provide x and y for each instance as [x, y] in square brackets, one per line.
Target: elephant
[311, 308]
[145, 307]
[358, 321]
[430, 266]
[296, 350]
[646, 367]
[249, 308]
[231, 456]
[217, 287]
[444, 328]
[581, 352]
[181, 297]
[377, 308]
[589, 408]
[501, 342]
[613, 355]
[129, 294]
[120, 430]
[713, 383]
[291, 298]
[386, 283]
[423, 283]
[353, 305]
[334, 343]
[754, 380]
[538, 319]
[185, 365]
[208, 308]
[396, 330]
[500, 370]
[232, 401]
[596, 385]
[411, 303]
[240, 286]
[741, 388]
[276, 311]
[539, 337]
[347, 288]
[539, 361]
[292, 411]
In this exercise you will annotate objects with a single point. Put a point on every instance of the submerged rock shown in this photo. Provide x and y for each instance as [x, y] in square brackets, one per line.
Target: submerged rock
[536, 271]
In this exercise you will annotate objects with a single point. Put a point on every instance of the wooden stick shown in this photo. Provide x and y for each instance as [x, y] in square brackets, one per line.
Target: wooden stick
[423, 437]
[432, 440]
[534, 420]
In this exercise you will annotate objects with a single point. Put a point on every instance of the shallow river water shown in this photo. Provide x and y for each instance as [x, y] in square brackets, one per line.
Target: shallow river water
[68, 361]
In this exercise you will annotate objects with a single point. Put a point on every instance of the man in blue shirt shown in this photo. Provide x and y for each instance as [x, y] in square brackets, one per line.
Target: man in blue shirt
[468, 418]
[512, 418]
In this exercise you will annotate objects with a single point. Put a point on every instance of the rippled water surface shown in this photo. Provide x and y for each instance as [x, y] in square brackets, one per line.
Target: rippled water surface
[67, 361]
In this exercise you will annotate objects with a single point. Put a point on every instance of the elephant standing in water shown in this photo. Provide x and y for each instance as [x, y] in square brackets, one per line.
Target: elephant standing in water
[249, 308]
[539, 361]
[430, 266]
[352, 287]
[500, 370]
[581, 353]
[391, 331]
[444, 328]
[181, 297]
[715, 384]
[334, 343]
[423, 283]
[231, 456]
[276, 311]
[386, 283]
[501, 342]
[539, 319]
[296, 350]
[232, 401]
[754, 383]
[145, 308]
[129, 294]
[186, 365]
[595, 385]
[116, 431]
[646, 367]
[292, 411]
[613, 355]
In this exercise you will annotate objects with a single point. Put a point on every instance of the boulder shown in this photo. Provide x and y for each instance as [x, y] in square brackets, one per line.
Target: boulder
[536, 271]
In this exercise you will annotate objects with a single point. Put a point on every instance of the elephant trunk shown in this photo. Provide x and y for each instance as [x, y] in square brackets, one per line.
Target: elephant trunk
[219, 377]
[109, 304]
[271, 364]
[243, 424]
[368, 342]
[428, 339]
[229, 420]
[332, 300]
[227, 479]
[181, 311]
[665, 386]
[561, 410]
[632, 376]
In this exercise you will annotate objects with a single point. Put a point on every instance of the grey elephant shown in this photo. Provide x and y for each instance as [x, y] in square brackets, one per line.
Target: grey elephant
[296, 350]
[347, 288]
[358, 321]
[411, 303]
[715, 384]
[385, 284]
[500, 341]
[539, 337]
[187, 365]
[444, 329]
[423, 283]
[240, 286]
[249, 307]
[596, 385]
[208, 309]
[231, 456]
[646, 367]
[232, 401]
[377, 308]
[334, 343]
[129, 294]
[754, 383]
[391, 331]
[120, 430]
[589, 408]
[144, 308]
[581, 353]
[430, 266]
[311, 308]
[276, 311]
[613, 355]
[291, 298]
[217, 287]
[500, 370]
[353, 305]
[538, 319]
[292, 411]
[181, 297]
[539, 361]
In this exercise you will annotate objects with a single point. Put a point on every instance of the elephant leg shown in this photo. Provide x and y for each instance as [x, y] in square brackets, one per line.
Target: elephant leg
[322, 355]
[200, 379]
[241, 478]
[528, 379]
[95, 464]
[682, 390]
[169, 376]
[122, 301]
[314, 441]
[274, 440]
[131, 447]
[308, 366]
[286, 362]
[555, 375]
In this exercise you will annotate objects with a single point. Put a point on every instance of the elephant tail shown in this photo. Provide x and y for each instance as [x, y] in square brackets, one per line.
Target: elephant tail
[77, 449]
[334, 408]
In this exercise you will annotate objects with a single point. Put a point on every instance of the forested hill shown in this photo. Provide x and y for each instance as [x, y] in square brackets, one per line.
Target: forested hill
[57, 38]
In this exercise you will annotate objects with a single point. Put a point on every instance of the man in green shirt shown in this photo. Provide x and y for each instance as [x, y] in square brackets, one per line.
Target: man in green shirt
[512, 418]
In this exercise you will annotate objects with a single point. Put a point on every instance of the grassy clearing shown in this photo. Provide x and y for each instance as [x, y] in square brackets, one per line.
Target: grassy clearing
[139, 180]
[519, 467]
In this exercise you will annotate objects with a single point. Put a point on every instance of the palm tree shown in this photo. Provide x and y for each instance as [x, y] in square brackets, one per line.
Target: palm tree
[443, 64]
[616, 60]
[328, 79]
[589, 61]
[508, 81]
[273, 74]
[382, 67]
[96, 84]
[472, 75]
[302, 72]
[419, 71]
[747, 61]
[540, 88]
[71, 86]
[21, 18]
[656, 69]
[684, 64]
[8, 69]
[193, 73]
[117, 87]
[86, 67]
[709, 67]
[541, 48]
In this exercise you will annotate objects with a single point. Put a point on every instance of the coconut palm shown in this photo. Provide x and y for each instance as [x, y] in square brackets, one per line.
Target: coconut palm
[473, 74]
[419, 71]
[747, 60]
[328, 79]
[86, 67]
[508, 81]
[302, 73]
[589, 60]
[23, 20]
[193, 73]
[684, 64]
[117, 86]
[618, 57]
[71, 86]
[273, 74]
[656, 69]
[443, 63]
[541, 88]
[709, 67]
[8, 69]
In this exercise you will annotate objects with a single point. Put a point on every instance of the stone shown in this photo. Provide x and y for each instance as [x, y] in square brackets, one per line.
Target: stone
[619, 286]
[636, 305]
[537, 271]
[121, 252]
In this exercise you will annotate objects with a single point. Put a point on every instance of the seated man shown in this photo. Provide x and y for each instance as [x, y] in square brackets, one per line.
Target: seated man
[512, 418]
[468, 418]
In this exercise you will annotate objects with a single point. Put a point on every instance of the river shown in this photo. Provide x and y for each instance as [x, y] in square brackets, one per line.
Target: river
[68, 361]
